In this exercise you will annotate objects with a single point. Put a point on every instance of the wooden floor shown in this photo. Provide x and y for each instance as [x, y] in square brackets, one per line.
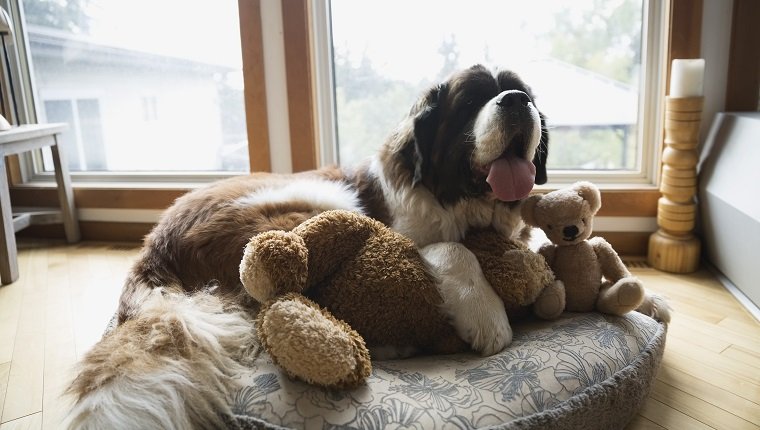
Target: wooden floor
[710, 376]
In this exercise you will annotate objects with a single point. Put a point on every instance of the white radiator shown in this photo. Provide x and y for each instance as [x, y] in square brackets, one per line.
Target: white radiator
[729, 199]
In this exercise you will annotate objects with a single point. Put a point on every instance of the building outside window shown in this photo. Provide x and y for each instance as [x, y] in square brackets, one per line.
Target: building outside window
[151, 85]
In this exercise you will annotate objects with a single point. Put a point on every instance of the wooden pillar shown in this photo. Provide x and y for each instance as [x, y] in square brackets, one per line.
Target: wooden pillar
[674, 247]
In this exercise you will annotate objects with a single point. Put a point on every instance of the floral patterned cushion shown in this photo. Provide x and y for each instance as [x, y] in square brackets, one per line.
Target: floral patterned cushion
[583, 371]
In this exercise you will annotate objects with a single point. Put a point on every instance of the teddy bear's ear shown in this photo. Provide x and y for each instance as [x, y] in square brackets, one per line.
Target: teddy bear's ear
[527, 209]
[590, 193]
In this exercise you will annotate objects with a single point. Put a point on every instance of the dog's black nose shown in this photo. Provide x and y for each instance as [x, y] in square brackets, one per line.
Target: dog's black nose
[570, 231]
[512, 98]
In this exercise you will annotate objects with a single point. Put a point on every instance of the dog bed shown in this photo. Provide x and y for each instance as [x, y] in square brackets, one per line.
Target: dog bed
[583, 371]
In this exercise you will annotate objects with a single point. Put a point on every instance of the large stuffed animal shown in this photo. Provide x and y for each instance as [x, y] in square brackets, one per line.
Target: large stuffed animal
[341, 281]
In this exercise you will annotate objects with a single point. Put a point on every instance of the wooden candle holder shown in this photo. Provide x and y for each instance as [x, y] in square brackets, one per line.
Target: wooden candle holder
[674, 247]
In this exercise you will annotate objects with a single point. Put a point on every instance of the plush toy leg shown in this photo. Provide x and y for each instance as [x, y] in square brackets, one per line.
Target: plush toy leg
[311, 345]
[623, 296]
[656, 307]
[274, 263]
[551, 302]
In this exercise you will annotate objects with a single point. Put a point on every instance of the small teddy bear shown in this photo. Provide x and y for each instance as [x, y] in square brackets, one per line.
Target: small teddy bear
[591, 273]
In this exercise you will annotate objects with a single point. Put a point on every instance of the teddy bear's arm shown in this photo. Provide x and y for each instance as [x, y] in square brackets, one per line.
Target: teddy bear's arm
[548, 251]
[612, 266]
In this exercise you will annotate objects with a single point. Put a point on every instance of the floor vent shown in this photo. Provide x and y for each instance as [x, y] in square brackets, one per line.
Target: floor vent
[636, 263]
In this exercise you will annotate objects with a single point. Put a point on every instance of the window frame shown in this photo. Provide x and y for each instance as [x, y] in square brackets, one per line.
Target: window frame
[655, 23]
[654, 57]
[634, 200]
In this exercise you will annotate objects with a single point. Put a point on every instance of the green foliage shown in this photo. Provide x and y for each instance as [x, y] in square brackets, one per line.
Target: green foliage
[605, 38]
[370, 107]
[597, 148]
[364, 123]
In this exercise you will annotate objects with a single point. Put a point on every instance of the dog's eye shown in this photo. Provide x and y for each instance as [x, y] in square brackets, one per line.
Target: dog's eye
[549, 226]
[583, 220]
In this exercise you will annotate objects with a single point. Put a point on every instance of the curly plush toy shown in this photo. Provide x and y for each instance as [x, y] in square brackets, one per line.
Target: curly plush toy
[592, 274]
[341, 281]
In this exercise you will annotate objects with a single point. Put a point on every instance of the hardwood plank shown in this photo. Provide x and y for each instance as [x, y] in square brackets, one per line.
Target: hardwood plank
[29, 422]
[680, 332]
[668, 417]
[690, 361]
[25, 381]
[641, 423]
[60, 351]
[746, 341]
[739, 325]
[698, 409]
[723, 398]
[5, 370]
[10, 308]
[738, 353]
[717, 361]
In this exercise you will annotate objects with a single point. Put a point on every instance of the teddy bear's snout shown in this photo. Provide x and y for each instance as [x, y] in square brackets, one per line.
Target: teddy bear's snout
[570, 232]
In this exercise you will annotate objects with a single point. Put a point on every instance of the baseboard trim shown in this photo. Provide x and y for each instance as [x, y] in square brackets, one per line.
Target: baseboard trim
[745, 301]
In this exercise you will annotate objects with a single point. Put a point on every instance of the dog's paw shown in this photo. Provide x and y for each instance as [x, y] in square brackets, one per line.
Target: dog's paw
[475, 310]
[485, 327]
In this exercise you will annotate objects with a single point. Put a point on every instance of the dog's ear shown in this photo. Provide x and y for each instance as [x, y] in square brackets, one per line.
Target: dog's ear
[426, 121]
[542, 152]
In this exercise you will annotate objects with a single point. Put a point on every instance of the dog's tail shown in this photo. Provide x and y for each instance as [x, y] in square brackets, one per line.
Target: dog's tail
[169, 365]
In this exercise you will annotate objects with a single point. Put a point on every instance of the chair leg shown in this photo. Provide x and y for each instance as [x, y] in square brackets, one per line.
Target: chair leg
[65, 195]
[8, 256]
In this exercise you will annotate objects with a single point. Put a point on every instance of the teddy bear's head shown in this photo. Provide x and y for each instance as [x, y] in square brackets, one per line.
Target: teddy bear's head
[565, 215]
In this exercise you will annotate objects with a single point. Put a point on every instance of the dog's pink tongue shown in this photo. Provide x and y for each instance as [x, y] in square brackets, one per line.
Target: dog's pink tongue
[511, 178]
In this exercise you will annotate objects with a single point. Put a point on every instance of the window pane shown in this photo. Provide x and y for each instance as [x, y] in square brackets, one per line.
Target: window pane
[581, 58]
[144, 85]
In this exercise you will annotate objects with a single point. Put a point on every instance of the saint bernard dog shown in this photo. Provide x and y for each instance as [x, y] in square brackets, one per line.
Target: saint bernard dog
[466, 154]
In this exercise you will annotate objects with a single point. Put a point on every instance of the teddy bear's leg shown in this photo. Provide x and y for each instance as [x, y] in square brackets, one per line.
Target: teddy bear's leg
[620, 297]
[656, 307]
[551, 302]
[312, 345]
[475, 309]
[274, 263]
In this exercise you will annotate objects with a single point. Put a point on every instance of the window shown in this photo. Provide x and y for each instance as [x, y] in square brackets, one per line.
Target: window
[84, 141]
[592, 64]
[145, 86]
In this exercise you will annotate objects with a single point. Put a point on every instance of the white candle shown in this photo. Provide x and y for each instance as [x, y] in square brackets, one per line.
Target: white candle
[687, 78]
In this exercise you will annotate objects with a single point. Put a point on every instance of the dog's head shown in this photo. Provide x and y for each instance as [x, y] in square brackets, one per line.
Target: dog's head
[474, 135]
